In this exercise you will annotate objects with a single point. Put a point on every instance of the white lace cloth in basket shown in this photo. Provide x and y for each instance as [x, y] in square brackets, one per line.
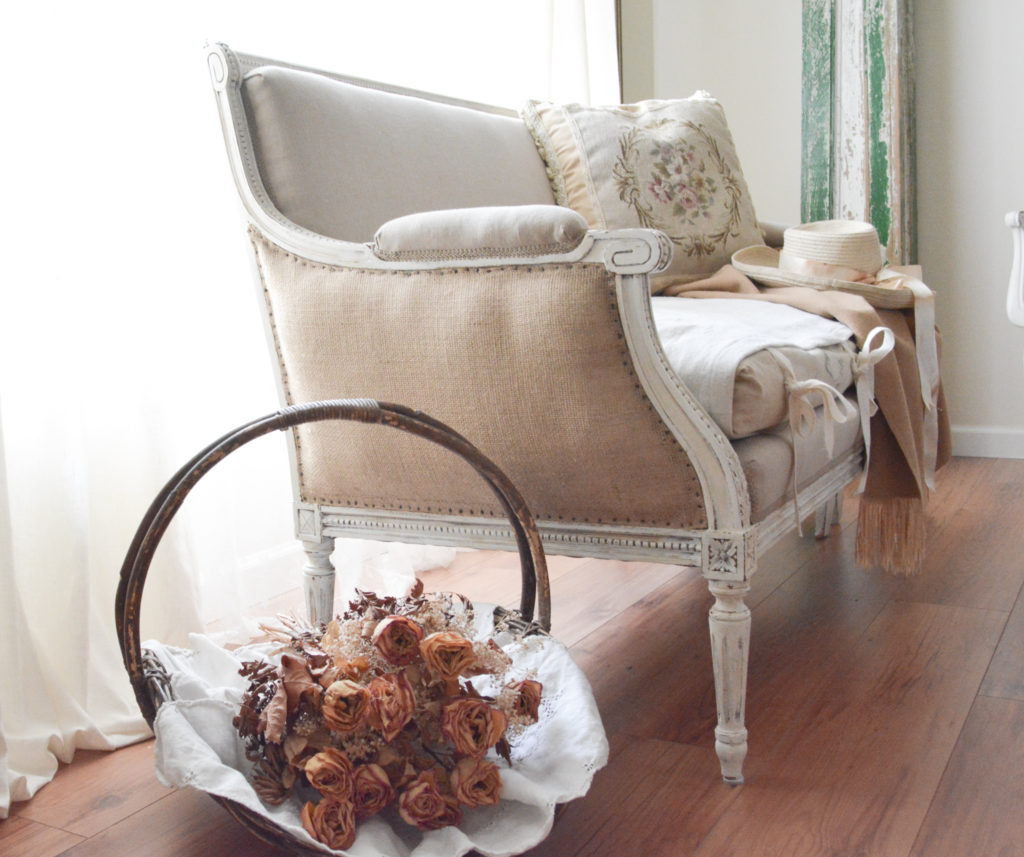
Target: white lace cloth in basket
[554, 760]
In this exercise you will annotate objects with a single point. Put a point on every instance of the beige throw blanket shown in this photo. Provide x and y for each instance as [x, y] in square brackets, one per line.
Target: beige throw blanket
[891, 528]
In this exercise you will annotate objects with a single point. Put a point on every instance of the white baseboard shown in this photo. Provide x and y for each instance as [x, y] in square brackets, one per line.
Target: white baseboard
[983, 442]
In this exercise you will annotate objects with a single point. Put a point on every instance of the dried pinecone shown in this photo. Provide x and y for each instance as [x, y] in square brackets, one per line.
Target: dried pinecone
[262, 685]
[273, 778]
[374, 607]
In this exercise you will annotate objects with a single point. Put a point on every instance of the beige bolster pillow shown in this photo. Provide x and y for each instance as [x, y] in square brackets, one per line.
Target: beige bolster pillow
[480, 233]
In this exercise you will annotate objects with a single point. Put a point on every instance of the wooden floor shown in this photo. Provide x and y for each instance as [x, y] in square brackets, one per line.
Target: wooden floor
[886, 715]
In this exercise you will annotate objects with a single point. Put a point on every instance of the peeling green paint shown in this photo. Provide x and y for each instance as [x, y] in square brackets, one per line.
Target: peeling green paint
[816, 185]
[878, 149]
[872, 174]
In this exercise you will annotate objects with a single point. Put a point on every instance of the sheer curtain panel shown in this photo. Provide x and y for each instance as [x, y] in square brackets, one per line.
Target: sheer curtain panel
[130, 336]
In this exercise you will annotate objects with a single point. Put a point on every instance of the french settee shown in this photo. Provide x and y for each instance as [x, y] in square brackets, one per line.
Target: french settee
[408, 248]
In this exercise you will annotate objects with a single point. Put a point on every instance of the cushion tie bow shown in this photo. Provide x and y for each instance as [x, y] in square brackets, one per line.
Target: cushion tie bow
[864, 376]
[802, 416]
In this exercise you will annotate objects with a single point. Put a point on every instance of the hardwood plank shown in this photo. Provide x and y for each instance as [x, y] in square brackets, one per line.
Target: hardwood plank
[650, 667]
[811, 601]
[864, 741]
[596, 591]
[812, 621]
[973, 557]
[20, 837]
[491, 576]
[795, 551]
[977, 810]
[585, 593]
[864, 755]
[97, 790]
[1005, 676]
[185, 823]
[634, 806]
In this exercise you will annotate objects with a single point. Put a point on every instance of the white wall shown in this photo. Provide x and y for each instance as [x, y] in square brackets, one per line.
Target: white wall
[747, 54]
[970, 127]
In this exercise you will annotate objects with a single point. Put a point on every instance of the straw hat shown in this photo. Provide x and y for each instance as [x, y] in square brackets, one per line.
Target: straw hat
[827, 254]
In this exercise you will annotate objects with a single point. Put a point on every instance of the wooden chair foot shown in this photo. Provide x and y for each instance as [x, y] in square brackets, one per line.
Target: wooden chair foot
[729, 622]
[318, 580]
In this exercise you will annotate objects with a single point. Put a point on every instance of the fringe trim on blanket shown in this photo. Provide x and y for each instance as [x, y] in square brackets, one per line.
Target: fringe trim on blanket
[892, 533]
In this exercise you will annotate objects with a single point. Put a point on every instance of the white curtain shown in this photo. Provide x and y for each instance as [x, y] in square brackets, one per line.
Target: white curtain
[129, 331]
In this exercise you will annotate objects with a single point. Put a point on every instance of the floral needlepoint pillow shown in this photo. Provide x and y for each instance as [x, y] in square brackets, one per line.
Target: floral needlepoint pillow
[663, 164]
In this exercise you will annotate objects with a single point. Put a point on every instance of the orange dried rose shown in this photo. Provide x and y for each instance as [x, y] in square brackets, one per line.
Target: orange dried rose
[345, 705]
[424, 806]
[373, 790]
[330, 772]
[476, 782]
[527, 700]
[392, 703]
[472, 726]
[447, 654]
[332, 822]
[397, 638]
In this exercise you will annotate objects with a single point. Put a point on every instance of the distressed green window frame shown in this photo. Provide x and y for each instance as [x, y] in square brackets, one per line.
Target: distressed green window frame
[871, 175]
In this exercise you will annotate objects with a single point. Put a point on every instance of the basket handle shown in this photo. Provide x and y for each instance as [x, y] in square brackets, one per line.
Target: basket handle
[166, 504]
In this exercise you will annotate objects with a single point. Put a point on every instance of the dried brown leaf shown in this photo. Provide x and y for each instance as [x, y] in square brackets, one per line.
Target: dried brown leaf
[257, 671]
[316, 658]
[504, 749]
[297, 680]
[293, 746]
[288, 777]
[274, 717]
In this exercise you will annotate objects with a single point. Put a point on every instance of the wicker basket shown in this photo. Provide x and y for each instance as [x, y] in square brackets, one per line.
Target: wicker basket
[148, 678]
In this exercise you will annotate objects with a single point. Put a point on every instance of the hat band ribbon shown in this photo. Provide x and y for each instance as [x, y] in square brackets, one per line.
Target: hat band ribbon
[824, 270]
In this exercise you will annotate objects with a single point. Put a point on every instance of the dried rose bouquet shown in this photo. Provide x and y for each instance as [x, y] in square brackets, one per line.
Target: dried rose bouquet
[379, 711]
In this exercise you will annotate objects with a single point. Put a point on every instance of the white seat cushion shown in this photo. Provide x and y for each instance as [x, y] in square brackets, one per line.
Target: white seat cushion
[759, 399]
[767, 461]
[723, 351]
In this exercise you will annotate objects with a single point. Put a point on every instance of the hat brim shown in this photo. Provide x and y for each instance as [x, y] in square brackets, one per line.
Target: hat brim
[761, 263]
